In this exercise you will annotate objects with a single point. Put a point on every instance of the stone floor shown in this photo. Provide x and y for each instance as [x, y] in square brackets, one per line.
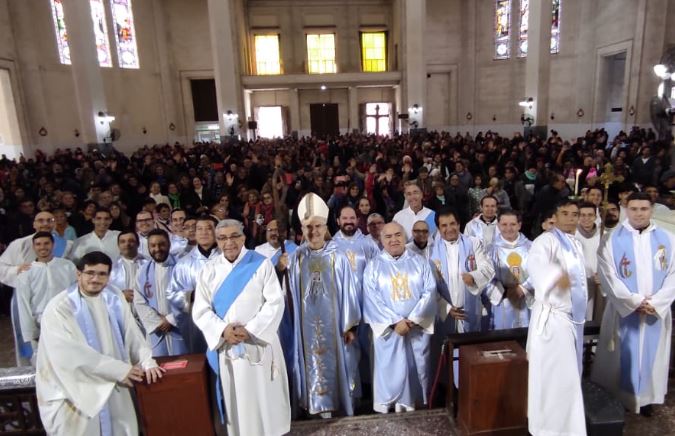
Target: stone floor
[433, 422]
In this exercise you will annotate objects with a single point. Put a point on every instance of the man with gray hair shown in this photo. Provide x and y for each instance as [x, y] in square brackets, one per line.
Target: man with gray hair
[238, 306]
[375, 222]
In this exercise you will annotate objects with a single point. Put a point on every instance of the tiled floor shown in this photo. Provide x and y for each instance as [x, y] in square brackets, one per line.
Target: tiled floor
[434, 422]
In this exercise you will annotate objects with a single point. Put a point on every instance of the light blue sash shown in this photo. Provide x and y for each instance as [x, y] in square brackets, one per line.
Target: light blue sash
[86, 323]
[223, 298]
[636, 376]
[59, 245]
[430, 220]
[579, 301]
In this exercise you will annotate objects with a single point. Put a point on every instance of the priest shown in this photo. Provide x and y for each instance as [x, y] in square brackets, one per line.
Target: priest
[555, 265]
[47, 276]
[101, 239]
[484, 226]
[184, 281]
[400, 306]
[637, 270]
[510, 292]
[326, 315]
[238, 306]
[150, 298]
[90, 353]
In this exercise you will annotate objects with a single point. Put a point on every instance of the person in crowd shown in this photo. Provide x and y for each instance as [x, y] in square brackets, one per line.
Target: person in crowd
[421, 243]
[588, 234]
[100, 239]
[415, 210]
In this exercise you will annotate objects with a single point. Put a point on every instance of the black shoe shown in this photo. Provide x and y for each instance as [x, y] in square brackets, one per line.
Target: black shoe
[647, 411]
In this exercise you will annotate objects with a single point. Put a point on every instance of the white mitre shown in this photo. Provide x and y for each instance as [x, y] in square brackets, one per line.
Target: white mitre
[312, 206]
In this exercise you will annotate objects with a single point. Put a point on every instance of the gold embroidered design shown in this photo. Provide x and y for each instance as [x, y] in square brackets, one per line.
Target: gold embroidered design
[660, 258]
[351, 256]
[399, 287]
[515, 262]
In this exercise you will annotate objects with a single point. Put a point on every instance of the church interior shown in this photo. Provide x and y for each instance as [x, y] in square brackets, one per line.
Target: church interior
[129, 74]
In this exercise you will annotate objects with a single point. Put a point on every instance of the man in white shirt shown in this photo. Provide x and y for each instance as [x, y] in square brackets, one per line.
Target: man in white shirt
[176, 232]
[126, 267]
[415, 210]
[144, 224]
[484, 226]
[47, 276]
[101, 239]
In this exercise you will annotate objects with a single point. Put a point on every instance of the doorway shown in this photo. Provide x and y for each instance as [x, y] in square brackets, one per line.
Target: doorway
[323, 118]
[610, 110]
[10, 134]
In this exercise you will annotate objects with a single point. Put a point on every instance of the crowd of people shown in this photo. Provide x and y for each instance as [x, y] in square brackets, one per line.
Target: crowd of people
[338, 266]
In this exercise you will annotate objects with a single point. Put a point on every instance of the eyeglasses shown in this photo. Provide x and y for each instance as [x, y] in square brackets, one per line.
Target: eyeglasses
[45, 220]
[232, 238]
[420, 231]
[92, 274]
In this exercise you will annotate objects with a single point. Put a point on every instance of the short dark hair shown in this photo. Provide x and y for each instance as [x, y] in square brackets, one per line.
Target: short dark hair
[159, 232]
[566, 202]
[639, 196]
[126, 232]
[587, 205]
[149, 200]
[485, 197]
[43, 235]
[446, 212]
[595, 187]
[94, 258]
[205, 217]
[510, 212]
[161, 206]
[103, 210]
[178, 209]
[343, 207]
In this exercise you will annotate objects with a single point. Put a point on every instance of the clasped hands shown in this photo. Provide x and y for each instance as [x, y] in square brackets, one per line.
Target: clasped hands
[645, 308]
[403, 326]
[235, 333]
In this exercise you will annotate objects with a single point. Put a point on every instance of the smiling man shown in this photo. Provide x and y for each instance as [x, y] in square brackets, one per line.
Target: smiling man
[637, 270]
[238, 306]
[400, 306]
[555, 265]
[90, 353]
[101, 239]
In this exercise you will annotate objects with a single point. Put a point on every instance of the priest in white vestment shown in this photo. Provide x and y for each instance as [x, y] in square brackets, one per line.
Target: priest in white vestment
[144, 224]
[90, 353]
[125, 269]
[555, 265]
[637, 268]
[421, 243]
[101, 239]
[484, 227]
[588, 235]
[17, 258]
[238, 306]
[47, 276]
[400, 306]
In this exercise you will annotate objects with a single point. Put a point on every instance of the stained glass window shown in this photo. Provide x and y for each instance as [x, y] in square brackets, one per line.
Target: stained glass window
[100, 33]
[374, 51]
[267, 59]
[321, 53]
[555, 27]
[502, 28]
[125, 33]
[522, 31]
[61, 32]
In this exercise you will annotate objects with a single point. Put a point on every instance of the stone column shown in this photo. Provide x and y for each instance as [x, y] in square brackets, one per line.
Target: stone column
[226, 68]
[353, 108]
[87, 77]
[538, 64]
[415, 67]
[294, 109]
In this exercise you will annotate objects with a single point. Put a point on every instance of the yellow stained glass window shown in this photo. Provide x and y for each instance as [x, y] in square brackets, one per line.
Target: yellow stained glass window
[321, 53]
[373, 51]
[267, 59]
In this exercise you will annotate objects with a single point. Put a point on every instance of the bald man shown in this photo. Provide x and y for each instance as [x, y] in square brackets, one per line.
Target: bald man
[400, 306]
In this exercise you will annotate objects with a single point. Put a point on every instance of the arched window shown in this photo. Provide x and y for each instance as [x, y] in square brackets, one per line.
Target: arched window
[502, 29]
[524, 9]
[61, 32]
[125, 33]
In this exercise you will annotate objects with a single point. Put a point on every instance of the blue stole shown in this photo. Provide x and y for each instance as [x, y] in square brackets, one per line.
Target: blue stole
[579, 302]
[223, 298]
[467, 263]
[86, 324]
[430, 220]
[636, 376]
[59, 245]
[290, 248]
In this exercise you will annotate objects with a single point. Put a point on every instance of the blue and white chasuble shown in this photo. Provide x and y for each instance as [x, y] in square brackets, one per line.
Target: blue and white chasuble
[396, 289]
[180, 294]
[634, 348]
[509, 260]
[151, 303]
[324, 369]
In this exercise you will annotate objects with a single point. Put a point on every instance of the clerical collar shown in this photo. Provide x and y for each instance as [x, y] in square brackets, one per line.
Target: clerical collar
[587, 234]
[451, 242]
[206, 253]
[421, 248]
[482, 218]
